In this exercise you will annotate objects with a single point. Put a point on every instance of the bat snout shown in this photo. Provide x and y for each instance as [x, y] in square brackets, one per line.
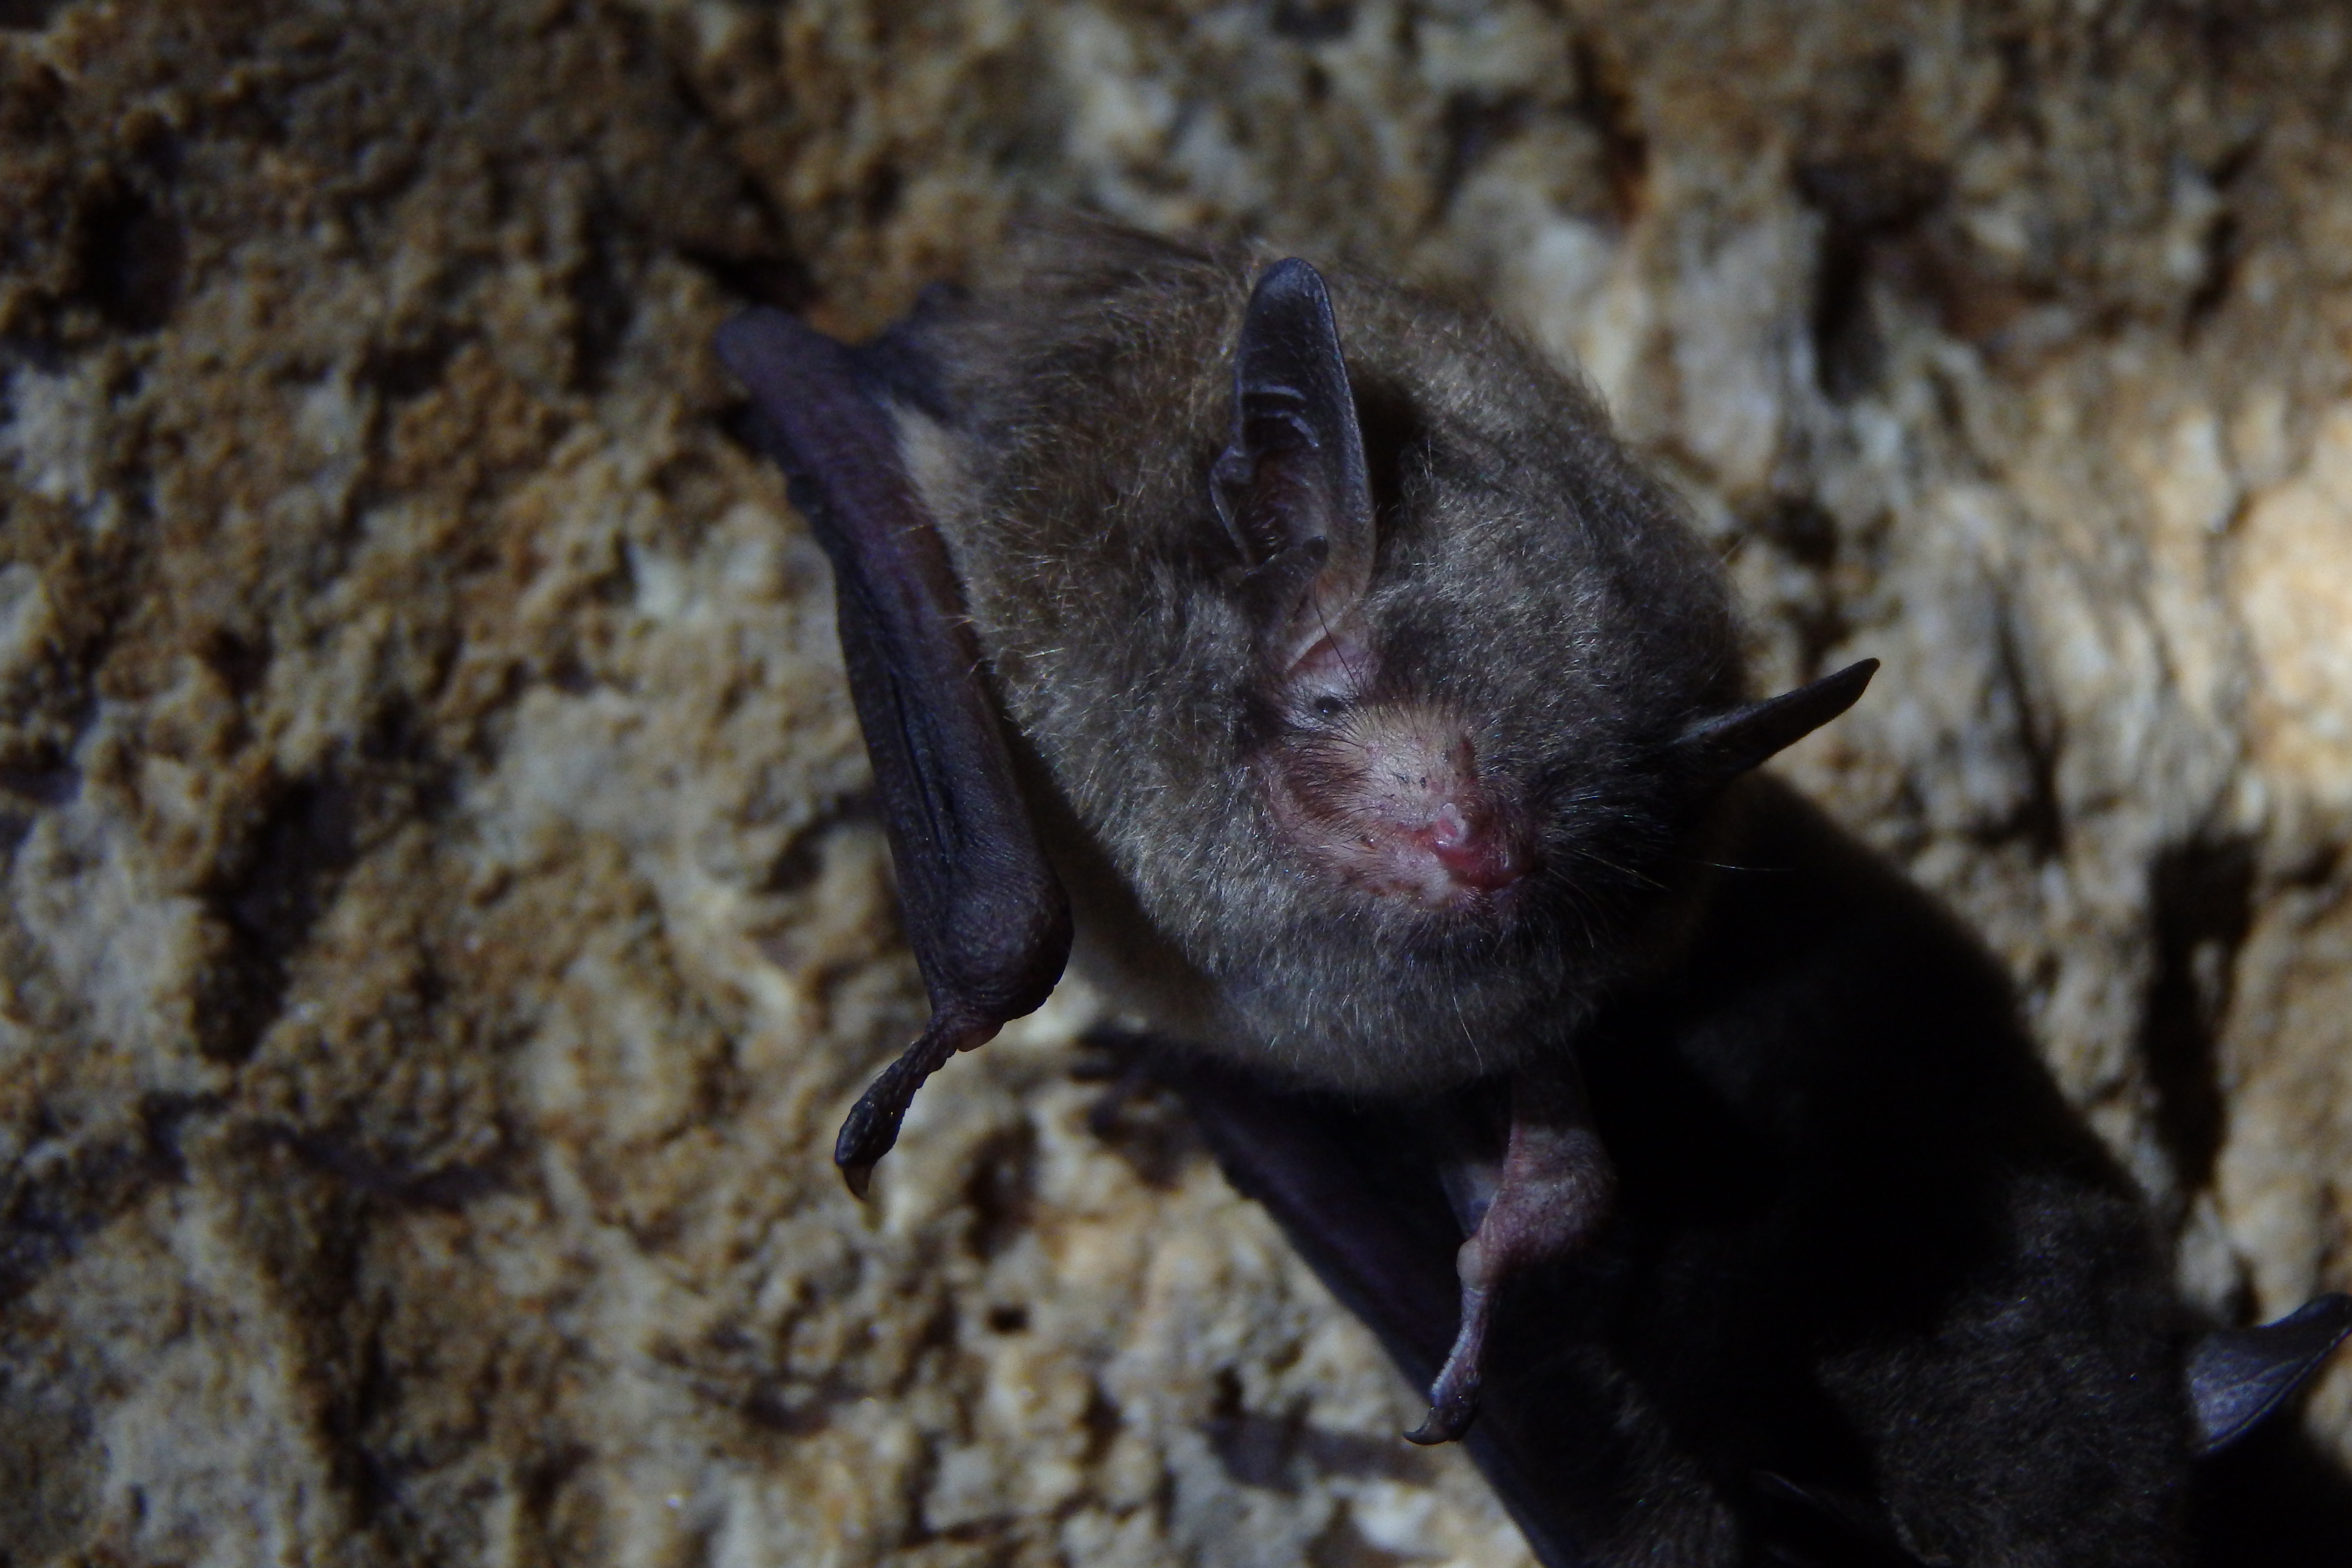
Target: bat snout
[1391, 803]
[1475, 854]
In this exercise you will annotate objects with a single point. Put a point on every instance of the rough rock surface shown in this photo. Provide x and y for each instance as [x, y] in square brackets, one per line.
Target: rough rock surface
[444, 917]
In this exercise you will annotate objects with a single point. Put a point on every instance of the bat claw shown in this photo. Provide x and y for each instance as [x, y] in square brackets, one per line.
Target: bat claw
[871, 1127]
[1451, 1411]
[1453, 1397]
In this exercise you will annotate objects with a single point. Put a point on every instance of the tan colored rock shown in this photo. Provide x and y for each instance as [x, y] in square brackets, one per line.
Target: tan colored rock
[445, 919]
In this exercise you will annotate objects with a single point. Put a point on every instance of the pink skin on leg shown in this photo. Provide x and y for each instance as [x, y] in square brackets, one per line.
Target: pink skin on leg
[1555, 1189]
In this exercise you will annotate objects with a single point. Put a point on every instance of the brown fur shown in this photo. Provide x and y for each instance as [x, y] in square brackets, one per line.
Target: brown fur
[1529, 580]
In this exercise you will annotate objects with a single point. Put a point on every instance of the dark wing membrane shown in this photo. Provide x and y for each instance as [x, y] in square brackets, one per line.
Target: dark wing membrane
[2239, 1377]
[989, 922]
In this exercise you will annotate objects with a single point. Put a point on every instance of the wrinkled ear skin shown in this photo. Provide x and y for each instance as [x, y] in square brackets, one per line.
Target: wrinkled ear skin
[2238, 1378]
[1710, 754]
[988, 923]
[1292, 485]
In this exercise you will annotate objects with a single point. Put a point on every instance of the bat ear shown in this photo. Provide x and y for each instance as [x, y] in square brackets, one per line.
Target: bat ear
[2239, 1377]
[1714, 751]
[1292, 487]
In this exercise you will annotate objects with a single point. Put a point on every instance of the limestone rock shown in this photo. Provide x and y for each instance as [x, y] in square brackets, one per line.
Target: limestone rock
[445, 916]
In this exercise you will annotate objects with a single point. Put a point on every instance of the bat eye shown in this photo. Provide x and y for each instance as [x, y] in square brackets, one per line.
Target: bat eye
[1330, 707]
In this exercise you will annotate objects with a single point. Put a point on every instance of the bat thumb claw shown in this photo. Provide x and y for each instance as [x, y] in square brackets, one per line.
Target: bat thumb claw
[1453, 1398]
[872, 1125]
[1448, 1419]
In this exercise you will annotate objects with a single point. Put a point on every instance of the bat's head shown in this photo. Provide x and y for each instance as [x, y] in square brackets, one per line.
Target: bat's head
[1398, 696]
[1493, 684]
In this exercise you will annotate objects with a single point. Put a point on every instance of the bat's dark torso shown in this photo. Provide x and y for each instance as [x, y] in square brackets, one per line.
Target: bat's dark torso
[1866, 1245]
[1860, 1244]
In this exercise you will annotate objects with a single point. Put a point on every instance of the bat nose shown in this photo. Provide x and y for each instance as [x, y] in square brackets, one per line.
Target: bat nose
[1392, 801]
[1474, 855]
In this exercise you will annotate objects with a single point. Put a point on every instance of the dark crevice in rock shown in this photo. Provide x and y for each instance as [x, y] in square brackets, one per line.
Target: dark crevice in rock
[446, 1188]
[797, 1408]
[404, 770]
[1865, 202]
[1605, 101]
[603, 299]
[540, 1482]
[783, 281]
[2223, 247]
[411, 367]
[2040, 818]
[28, 15]
[1102, 1422]
[743, 428]
[267, 905]
[25, 793]
[1474, 125]
[1003, 1190]
[1802, 529]
[879, 194]
[130, 255]
[1343, 1545]
[240, 656]
[800, 865]
[1312, 21]
[370, 1478]
[2200, 900]
[50, 1204]
[164, 1118]
[38, 786]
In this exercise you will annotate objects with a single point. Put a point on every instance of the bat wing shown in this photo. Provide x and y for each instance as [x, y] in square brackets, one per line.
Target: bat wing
[988, 922]
[2239, 1377]
[1360, 1195]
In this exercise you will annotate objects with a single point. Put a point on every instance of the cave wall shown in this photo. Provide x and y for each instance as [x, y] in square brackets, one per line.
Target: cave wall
[446, 915]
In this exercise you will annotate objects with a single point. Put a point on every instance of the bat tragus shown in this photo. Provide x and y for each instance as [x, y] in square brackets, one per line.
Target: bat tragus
[1388, 730]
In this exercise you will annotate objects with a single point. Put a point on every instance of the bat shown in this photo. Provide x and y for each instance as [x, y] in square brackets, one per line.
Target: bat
[1359, 715]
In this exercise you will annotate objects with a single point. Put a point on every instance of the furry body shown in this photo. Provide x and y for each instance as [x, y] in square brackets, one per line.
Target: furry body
[1860, 1245]
[1385, 725]
[1530, 581]
[1860, 1241]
